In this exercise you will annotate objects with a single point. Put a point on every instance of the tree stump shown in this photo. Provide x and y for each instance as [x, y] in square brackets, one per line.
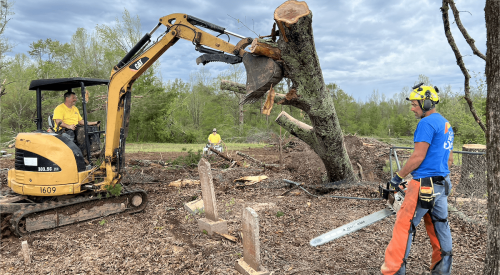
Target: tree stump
[473, 171]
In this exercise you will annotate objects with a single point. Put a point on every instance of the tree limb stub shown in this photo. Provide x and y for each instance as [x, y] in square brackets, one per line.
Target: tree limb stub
[462, 29]
[233, 86]
[296, 128]
[460, 62]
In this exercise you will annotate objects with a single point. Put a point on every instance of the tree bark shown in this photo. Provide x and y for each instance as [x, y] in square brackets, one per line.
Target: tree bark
[492, 15]
[302, 67]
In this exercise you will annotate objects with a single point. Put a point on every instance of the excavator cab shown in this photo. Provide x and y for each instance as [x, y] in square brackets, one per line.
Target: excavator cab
[49, 163]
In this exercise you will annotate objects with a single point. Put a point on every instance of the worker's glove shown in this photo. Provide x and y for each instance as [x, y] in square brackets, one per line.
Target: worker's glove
[396, 181]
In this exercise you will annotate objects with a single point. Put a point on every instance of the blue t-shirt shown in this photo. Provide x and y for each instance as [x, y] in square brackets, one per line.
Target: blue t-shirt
[435, 130]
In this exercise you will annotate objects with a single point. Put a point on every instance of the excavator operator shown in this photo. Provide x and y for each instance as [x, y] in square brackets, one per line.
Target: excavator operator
[67, 116]
[214, 138]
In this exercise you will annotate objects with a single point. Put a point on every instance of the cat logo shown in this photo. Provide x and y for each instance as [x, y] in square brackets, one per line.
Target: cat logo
[138, 64]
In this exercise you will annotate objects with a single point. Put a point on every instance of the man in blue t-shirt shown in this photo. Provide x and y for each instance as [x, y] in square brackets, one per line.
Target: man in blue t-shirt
[427, 193]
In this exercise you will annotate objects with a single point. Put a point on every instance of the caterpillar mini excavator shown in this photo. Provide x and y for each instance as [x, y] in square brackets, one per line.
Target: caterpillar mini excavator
[54, 185]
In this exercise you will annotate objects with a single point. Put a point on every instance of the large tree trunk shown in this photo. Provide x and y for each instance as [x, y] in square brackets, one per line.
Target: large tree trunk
[492, 15]
[308, 92]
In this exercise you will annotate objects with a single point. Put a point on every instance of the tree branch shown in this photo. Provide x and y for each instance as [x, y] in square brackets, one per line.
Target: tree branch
[460, 62]
[297, 128]
[233, 86]
[241, 89]
[462, 29]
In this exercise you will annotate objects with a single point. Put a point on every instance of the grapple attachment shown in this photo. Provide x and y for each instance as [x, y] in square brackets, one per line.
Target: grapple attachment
[262, 72]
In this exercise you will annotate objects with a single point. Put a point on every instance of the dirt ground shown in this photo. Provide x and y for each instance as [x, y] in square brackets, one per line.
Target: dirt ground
[165, 239]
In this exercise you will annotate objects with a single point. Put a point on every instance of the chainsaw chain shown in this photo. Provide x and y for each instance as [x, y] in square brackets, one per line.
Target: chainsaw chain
[25, 211]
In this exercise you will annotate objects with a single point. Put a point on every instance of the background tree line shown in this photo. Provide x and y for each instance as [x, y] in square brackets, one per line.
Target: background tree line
[185, 111]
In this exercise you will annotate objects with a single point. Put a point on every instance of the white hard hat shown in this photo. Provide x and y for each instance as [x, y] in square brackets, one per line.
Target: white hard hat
[214, 130]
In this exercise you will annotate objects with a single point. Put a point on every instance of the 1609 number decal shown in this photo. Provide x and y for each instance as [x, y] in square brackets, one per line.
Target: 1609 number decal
[47, 190]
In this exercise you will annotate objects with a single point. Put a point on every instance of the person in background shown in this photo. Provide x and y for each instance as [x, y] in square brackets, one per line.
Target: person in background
[214, 138]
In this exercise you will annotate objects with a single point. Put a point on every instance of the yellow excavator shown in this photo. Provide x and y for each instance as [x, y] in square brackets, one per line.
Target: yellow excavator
[56, 182]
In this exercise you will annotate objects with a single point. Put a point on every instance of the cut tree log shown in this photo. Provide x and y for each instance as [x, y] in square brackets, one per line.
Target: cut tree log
[266, 48]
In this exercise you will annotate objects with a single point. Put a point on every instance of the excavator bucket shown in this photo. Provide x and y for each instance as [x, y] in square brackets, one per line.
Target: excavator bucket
[262, 73]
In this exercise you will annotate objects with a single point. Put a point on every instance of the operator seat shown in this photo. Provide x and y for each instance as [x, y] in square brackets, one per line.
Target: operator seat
[51, 123]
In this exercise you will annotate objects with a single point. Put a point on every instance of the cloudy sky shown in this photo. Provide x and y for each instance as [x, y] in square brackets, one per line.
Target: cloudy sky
[363, 45]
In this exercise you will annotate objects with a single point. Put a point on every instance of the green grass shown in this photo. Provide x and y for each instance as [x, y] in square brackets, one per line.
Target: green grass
[176, 147]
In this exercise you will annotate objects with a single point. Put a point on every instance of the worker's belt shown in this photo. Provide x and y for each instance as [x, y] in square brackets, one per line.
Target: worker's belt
[436, 180]
[426, 194]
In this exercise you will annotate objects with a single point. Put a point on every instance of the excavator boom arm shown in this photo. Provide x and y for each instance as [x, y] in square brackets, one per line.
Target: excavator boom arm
[135, 63]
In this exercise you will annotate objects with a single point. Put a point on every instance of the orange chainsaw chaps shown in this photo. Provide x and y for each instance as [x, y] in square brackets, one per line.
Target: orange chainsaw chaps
[436, 247]
[395, 252]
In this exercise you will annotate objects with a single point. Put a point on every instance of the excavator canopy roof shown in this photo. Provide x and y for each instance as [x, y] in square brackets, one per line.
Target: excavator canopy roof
[62, 84]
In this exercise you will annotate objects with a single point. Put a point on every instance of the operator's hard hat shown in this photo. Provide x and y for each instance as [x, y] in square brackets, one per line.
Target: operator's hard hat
[214, 130]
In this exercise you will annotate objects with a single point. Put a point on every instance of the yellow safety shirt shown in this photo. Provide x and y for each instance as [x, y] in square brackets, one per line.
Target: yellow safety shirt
[69, 116]
[214, 138]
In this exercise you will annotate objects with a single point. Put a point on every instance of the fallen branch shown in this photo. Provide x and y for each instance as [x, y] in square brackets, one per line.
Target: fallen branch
[227, 237]
[224, 156]
[261, 164]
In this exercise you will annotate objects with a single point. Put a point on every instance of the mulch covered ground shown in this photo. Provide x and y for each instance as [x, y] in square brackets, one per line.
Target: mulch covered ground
[165, 239]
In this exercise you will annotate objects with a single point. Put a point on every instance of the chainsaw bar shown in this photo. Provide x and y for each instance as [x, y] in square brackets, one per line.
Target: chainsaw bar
[351, 227]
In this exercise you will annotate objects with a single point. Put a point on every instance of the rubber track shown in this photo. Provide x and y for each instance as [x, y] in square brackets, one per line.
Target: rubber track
[19, 215]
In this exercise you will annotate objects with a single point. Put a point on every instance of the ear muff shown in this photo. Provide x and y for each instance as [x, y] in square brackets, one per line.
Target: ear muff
[427, 102]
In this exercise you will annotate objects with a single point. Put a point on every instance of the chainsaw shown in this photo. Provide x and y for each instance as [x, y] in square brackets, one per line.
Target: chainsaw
[394, 199]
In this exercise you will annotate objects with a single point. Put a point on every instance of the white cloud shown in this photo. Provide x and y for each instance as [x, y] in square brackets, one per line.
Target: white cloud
[362, 44]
